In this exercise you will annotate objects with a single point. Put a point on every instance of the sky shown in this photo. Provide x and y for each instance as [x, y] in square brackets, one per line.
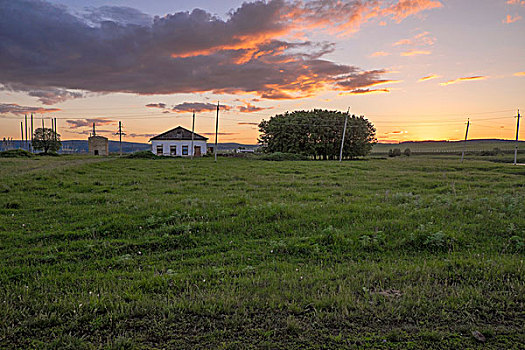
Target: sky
[417, 69]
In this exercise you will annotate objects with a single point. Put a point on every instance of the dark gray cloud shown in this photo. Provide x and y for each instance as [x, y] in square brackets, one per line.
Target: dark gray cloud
[79, 123]
[156, 105]
[47, 96]
[198, 107]
[118, 14]
[115, 49]
[13, 108]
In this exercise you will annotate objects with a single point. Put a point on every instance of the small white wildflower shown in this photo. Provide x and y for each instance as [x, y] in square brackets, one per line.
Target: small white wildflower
[271, 251]
[140, 253]
[204, 280]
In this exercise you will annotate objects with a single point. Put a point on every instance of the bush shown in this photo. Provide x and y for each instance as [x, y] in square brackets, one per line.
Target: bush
[407, 152]
[142, 155]
[279, 156]
[50, 154]
[16, 153]
[396, 152]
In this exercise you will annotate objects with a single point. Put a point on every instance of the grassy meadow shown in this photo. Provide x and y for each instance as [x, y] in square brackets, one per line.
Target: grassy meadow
[404, 253]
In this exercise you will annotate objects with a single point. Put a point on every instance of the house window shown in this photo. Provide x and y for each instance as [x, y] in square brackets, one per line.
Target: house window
[160, 150]
[184, 150]
[173, 150]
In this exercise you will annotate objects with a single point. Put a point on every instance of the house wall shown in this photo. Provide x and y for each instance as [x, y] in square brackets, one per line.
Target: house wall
[179, 143]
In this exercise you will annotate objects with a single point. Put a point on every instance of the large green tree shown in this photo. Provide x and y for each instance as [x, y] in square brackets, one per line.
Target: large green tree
[317, 134]
[46, 140]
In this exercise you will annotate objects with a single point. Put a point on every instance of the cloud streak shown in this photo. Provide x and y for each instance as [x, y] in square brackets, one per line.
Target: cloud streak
[415, 53]
[198, 107]
[511, 19]
[463, 79]
[79, 123]
[16, 109]
[428, 77]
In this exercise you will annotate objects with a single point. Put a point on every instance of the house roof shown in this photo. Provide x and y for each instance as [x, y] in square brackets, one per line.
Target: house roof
[179, 133]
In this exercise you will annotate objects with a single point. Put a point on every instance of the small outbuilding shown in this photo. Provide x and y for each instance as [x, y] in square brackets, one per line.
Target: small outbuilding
[98, 145]
[178, 143]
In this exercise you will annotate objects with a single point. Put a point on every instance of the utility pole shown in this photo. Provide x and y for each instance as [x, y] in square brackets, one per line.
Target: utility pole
[31, 132]
[27, 142]
[216, 130]
[465, 145]
[120, 136]
[22, 132]
[517, 139]
[344, 135]
[193, 135]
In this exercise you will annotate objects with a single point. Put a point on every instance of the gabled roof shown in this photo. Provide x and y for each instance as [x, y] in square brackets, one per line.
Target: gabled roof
[179, 133]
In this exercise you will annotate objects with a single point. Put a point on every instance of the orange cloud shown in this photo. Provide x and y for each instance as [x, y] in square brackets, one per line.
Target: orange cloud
[365, 91]
[509, 19]
[380, 54]
[428, 77]
[459, 80]
[415, 53]
[519, 74]
[250, 108]
[418, 39]
[516, 2]
[406, 8]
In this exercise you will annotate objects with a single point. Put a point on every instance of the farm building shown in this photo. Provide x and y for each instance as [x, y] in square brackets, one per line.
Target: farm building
[98, 146]
[177, 143]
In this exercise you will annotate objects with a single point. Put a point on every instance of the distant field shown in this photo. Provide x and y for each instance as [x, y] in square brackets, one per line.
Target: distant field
[452, 146]
[404, 253]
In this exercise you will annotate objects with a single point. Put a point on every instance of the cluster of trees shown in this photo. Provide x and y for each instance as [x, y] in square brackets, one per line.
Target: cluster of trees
[317, 134]
[46, 140]
[396, 152]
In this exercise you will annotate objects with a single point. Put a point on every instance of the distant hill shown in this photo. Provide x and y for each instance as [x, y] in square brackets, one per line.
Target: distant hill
[475, 145]
[81, 146]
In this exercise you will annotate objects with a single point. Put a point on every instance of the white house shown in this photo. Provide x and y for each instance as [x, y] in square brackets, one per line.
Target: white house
[177, 143]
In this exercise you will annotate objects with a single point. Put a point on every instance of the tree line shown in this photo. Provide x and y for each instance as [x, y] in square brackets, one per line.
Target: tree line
[317, 134]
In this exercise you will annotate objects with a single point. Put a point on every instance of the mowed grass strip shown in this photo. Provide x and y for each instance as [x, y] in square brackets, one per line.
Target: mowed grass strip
[135, 253]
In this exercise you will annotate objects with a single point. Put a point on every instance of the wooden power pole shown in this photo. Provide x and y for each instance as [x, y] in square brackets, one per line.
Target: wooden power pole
[344, 135]
[517, 139]
[22, 135]
[465, 143]
[31, 132]
[120, 136]
[25, 127]
[216, 130]
[193, 135]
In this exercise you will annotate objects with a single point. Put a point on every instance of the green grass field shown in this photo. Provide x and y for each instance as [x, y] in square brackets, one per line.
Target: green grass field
[405, 253]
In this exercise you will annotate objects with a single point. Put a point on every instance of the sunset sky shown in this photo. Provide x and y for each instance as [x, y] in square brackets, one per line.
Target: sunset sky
[416, 68]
